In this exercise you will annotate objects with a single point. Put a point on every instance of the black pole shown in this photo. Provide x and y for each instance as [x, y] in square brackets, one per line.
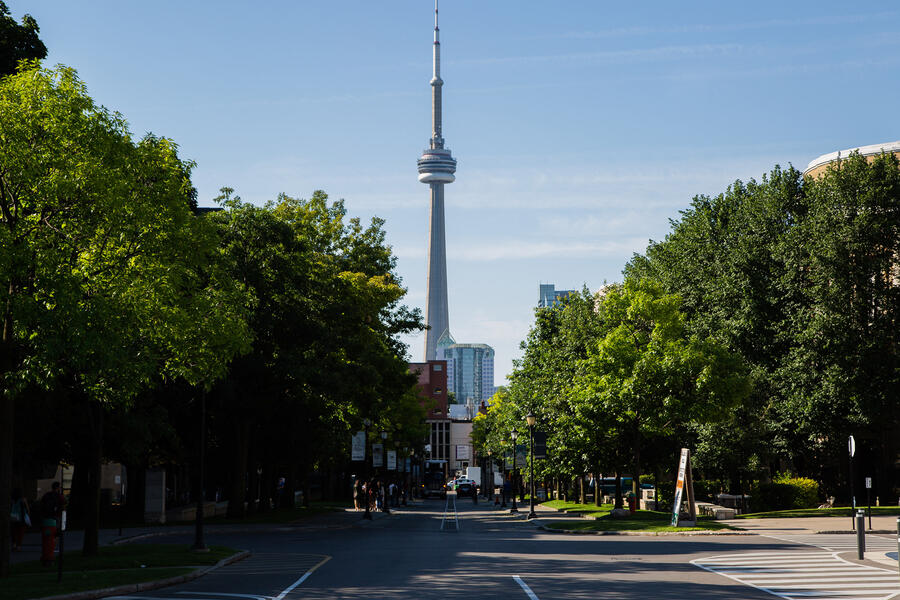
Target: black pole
[503, 487]
[869, 504]
[531, 513]
[515, 486]
[61, 525]
[199, 542]
[852, 497]
[367, 514]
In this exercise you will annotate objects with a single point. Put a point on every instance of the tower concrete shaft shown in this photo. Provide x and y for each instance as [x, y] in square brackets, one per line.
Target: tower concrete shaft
[436, 167]
[437, 313]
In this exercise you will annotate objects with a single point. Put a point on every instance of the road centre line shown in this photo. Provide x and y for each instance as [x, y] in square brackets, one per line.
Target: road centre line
[290, 588]
[525, 587]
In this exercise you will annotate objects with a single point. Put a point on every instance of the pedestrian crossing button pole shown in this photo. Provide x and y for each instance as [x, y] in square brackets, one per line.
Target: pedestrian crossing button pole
[860, 534]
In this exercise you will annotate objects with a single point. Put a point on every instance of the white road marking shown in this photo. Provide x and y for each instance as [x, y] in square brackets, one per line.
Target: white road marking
[288, 589]
[253, 597]
[804, 575]
[839, 541]
[525, 587]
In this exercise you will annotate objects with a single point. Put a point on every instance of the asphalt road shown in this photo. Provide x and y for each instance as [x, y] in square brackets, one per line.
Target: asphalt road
[492, 555]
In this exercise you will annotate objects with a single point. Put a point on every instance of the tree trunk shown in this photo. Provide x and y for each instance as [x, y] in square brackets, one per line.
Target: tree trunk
[91, 545]
[581, 497]
[636, 477]
[238, 493]
[618, 503]
[7, 417]
[598, 492]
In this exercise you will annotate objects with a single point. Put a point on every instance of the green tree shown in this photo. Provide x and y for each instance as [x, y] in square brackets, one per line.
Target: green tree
[649, 375]
[18, 42]
[102, 287]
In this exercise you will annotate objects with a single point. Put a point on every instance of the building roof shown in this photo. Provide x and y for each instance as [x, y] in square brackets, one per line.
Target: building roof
[870, 150]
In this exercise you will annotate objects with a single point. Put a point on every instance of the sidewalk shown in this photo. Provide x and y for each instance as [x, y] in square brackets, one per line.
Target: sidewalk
[806, 525]
[31, 548]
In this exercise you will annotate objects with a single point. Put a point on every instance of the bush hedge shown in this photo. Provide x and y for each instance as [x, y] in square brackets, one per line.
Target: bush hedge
[786, 492]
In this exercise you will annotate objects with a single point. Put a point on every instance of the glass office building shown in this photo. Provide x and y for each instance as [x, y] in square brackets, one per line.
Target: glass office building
[470, 371]
[550, 296]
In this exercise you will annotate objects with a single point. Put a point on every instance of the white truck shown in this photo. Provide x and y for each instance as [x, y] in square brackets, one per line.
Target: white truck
[474, 473]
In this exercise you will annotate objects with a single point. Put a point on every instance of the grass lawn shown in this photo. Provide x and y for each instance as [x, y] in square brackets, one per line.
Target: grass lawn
[574, 506]
[116, 565]
[642, 520]
[839, 511]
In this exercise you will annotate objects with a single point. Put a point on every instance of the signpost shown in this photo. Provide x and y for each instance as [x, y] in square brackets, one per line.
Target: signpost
[851, 447]
[358, 446]
[685, 481]
[869, 499]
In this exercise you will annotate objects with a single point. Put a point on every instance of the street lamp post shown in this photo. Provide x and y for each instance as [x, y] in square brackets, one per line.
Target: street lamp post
[367, 514]
[386, 499]
[515, 482]
[530, 420]
[199, 541]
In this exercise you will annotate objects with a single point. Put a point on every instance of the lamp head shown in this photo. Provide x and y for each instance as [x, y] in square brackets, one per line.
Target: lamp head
[384, 435]
[514, 434]
[530, 419]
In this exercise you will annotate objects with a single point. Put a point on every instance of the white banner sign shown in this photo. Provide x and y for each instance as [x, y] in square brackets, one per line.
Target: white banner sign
[358, 446]
[377, 455]
[391, 460]
[679, 486]
[462, 452]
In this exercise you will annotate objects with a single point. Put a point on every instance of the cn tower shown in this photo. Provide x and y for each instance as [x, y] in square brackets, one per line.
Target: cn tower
[436, 167]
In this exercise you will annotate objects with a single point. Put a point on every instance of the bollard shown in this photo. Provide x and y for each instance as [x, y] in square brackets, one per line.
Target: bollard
[860, 534]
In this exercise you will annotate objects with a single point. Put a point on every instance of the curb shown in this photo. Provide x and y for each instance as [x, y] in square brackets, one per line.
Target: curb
[851, 532]
[645, 533]
[133, 588]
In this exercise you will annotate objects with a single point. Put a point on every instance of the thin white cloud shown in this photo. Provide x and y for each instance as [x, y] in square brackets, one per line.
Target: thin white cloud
[813, 21]
[667, 53]
[563, 248]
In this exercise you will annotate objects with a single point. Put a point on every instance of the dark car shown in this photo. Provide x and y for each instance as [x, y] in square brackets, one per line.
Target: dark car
[465, 487]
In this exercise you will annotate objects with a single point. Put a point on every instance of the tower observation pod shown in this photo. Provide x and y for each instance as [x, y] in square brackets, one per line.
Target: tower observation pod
[436, 167]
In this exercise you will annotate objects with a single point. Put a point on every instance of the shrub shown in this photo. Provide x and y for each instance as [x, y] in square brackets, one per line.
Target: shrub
[786, 492]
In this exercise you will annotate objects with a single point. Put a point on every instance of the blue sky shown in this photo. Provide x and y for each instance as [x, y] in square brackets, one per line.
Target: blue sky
[581, 127]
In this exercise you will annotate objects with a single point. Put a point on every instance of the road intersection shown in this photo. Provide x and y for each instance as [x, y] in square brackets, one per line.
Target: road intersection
[495, 555]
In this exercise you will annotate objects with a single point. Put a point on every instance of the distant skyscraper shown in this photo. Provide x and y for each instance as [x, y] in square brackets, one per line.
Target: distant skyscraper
[550, 296]
[470, 371]
[436, 167]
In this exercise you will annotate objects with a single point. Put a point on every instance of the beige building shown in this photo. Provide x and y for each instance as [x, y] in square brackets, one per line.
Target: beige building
[819, 165]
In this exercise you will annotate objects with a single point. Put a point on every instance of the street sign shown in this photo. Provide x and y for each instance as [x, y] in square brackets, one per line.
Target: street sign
[851, 446]
[377, 455]
[358, 446]
[685, 483]
[391, 460]
[868, 483]
[540, 444]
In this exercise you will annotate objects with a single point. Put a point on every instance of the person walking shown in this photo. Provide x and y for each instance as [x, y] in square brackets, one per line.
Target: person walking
[19, 519]
[358, 494]
[52, 504]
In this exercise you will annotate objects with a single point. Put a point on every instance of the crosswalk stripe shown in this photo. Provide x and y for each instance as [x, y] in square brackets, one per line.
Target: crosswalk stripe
[805, 575]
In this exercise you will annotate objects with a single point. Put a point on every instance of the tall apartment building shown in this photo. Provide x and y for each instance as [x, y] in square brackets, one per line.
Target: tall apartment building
[550, 296]
[470, 371]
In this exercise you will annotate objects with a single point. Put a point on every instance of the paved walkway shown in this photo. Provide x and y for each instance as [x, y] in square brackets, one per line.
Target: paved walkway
[804, 525]
[31, 548]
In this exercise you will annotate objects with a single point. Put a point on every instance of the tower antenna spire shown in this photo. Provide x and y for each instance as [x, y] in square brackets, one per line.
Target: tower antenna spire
[436, 168]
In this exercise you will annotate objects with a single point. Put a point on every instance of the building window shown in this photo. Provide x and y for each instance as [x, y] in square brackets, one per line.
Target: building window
[437, 367]
[437, 390]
